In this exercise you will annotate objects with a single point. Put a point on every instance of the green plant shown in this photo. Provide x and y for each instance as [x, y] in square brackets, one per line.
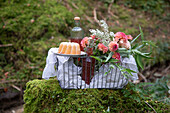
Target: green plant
[153, 6]
[162, 53]
[157, 91]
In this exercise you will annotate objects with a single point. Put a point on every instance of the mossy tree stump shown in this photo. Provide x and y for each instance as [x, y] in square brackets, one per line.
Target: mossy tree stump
[47, 96]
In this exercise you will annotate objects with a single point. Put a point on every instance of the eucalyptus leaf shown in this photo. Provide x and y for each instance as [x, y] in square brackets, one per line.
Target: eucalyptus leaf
[121, 49]
[135, 39]
[123, 55]
[140, 46]
[112, 66]
[145, 56]
[149, 52]
[139, 61]
[97, 58]
[150, 43]
[125, 52]
[113, 60]
[110, 55]
[135, 46]
[135, 56]
[141, 54]
[141, 32]
[130, 70]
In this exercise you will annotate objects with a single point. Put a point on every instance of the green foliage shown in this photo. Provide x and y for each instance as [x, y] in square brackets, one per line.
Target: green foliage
[157, 91]
[28, 21]
[32, 27]
[153, 6]
[46, 95]
[36, 54]
[162, 53]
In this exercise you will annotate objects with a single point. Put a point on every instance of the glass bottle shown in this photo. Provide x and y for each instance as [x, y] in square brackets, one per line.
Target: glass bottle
[77, 33]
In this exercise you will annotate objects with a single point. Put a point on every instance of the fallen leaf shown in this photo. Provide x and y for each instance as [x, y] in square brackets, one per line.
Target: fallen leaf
[5, 89]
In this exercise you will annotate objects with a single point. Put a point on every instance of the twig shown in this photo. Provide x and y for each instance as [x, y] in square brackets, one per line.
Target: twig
[95, 15]
[150, 106]
[11, 81]
[17, 88]
[67, 6]
[146, 68]
[109, 10]
[7, 45]
[28, 60]
[142, 76]
[167, 69]
[152, 72]
[110, 5]
[88, 18]
[74, 5]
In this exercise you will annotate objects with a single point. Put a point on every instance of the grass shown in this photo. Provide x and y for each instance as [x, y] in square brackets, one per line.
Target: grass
[25, 60]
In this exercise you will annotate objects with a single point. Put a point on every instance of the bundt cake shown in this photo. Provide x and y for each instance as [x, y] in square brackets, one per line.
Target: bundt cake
[69, 48]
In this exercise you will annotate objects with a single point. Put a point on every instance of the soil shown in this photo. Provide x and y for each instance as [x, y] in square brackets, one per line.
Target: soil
[11, 100]
[18, 109]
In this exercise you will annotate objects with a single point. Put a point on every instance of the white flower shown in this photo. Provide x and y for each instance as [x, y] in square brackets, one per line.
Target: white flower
[104, 35]
[104, 25]
[112, 34]
[93, 31]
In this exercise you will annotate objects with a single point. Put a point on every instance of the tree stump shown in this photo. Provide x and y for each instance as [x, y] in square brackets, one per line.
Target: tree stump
[47, 96]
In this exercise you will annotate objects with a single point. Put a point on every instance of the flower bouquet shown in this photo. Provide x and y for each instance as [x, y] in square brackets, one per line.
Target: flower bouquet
[107, 47]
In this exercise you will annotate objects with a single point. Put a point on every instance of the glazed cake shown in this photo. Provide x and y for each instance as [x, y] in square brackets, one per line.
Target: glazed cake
[69, 48]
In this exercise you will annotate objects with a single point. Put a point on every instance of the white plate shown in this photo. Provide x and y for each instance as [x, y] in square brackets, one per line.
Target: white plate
[56, 52]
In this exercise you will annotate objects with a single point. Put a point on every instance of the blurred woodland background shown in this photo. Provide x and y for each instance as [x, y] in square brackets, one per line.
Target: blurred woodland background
[29, 28]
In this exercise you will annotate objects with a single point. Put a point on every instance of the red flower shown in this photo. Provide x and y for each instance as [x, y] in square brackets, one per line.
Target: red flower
[102, 47]
[93, 36]
[116, 56]
[113, 46]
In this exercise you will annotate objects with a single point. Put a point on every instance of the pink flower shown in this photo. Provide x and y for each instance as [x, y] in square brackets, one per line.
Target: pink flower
[116, 56]
[113, 46]
[85, 41]
[116, 39]
[32, 20]
[125, 44]
[129, 37]
[102, 47]
[120, 35]
[122, 41]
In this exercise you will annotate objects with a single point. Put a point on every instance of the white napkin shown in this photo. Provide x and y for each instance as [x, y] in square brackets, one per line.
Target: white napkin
[69, 77]
[49, 70]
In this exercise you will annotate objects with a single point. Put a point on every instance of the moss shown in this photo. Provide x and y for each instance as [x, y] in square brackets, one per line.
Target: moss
[23, 23]
[47, 96]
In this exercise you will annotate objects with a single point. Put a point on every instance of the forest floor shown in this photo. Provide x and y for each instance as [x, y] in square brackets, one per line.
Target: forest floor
[119, 18]
[18, 109]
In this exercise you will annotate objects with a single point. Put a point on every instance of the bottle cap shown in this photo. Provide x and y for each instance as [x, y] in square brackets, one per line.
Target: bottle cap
[76, 18]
